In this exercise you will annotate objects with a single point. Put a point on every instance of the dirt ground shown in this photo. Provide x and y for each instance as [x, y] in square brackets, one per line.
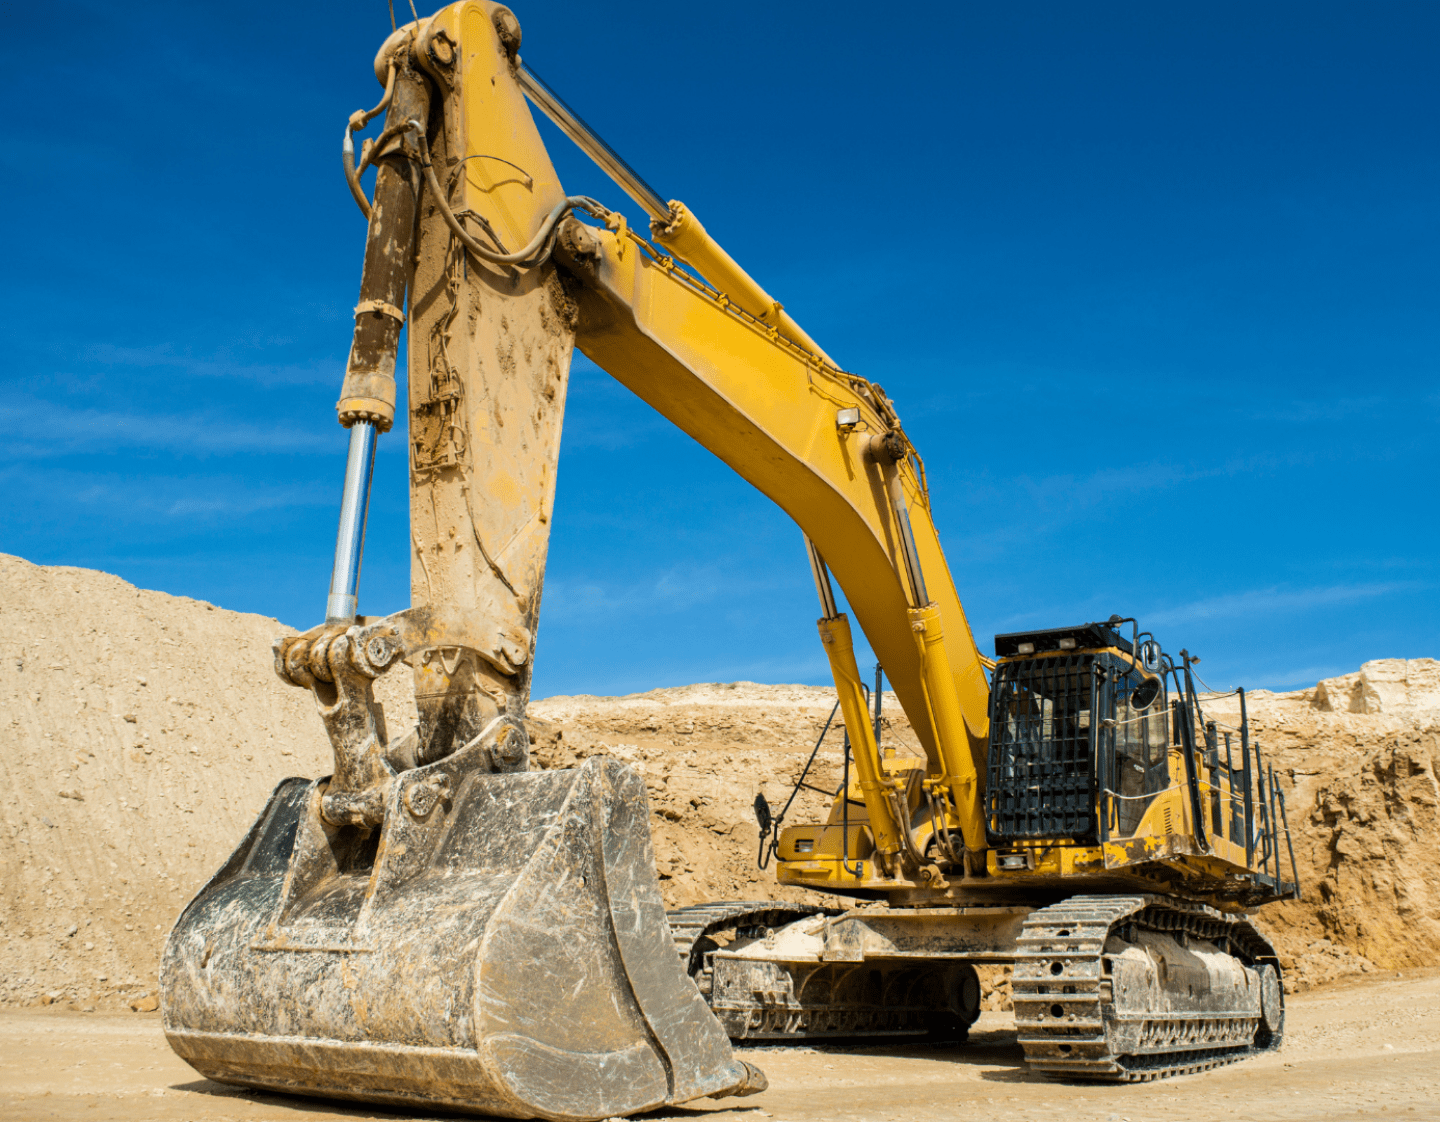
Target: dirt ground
[1355, 1049]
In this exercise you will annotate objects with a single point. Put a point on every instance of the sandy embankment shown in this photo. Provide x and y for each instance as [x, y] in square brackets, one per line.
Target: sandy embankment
[144, 732]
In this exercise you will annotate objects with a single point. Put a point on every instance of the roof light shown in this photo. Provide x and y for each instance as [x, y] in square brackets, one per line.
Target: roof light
[1085, 637]
[1026, 648]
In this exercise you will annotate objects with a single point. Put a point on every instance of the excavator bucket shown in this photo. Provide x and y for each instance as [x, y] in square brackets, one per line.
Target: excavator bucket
[500, 947]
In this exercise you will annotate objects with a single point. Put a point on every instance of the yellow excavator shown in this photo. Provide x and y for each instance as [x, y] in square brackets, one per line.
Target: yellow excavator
[435, 924]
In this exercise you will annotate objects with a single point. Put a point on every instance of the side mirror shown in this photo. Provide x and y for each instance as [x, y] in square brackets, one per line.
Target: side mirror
[1143, 696]
[1150, 655]
[763, 816]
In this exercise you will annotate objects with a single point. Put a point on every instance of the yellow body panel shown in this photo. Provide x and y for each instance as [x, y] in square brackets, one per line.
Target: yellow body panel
[506, 176]
[877, 790]
[962, 772]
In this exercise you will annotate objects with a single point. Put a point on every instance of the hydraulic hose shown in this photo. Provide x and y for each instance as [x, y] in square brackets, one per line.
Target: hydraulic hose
[358, 121]
[540, 245]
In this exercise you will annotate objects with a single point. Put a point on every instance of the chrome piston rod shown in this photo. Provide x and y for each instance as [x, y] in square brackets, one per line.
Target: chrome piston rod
[343, 602]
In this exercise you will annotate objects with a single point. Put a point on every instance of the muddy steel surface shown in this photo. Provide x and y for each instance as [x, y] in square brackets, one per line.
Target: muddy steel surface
[1351, 1051]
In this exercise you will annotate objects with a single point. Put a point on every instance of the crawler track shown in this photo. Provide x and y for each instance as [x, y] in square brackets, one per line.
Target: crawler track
[1075, 1022]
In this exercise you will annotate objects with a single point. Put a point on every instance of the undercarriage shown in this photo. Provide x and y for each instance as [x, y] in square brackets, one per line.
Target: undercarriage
[1110, 988]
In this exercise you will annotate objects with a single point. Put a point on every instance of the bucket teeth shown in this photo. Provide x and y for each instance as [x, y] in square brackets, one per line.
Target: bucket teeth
[505, 952]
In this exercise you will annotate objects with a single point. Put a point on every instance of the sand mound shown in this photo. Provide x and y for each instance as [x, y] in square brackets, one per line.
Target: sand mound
[146, 731]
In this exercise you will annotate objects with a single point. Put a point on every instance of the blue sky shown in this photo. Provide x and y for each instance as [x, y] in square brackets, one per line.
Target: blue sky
[1154, 288]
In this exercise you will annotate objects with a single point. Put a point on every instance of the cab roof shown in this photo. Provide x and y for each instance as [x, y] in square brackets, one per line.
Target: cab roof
[1087, 637]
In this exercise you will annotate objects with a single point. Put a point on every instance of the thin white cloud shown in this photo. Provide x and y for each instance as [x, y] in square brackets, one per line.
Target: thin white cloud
[677, 589]
[1273, 601]
[1062, 494]
[1100, 486]
[253, 500]
[325, 371]
[40, 429]
[1310, 411]
[1303, 677]
[166, 498]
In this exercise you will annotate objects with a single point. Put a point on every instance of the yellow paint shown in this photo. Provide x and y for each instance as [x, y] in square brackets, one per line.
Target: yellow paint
[495, 126]
[685, 237]
[766, 406]
[822, 866]
[840, 650]
[960, 775]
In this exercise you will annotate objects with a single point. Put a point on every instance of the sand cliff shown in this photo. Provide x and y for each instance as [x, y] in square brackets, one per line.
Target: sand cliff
[143, 732]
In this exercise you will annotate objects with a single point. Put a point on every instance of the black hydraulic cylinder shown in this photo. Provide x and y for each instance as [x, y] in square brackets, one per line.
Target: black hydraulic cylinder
[1290, 845]
[1247, 781]
[879, 687]
[1192, 772]
[1264, 818]
[845, 811]
[369, 390]
[1274, 822]
[1232, 816]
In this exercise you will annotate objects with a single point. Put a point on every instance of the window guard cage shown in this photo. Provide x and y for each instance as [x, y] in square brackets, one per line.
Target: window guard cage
[1041, 780]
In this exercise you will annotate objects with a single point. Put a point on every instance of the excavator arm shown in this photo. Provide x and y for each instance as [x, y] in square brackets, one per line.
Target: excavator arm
[436, 924]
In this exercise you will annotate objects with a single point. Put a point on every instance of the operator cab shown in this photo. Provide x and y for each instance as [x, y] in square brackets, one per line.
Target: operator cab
[1075, 713]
